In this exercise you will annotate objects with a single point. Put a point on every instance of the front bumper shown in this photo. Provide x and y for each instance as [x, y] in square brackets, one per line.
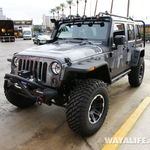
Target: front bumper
[7, 38]
[27, 37]
[42, 42]
[29, 88]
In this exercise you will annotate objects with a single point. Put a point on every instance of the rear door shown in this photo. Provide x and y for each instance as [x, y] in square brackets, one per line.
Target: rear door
[131, 42]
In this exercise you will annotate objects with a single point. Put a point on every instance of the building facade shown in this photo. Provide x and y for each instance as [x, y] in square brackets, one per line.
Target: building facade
[47, 20]
[147, 29]
[2, 17]
[19, 25]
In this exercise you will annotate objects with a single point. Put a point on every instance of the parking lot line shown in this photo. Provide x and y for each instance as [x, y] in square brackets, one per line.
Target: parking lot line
[127, 126]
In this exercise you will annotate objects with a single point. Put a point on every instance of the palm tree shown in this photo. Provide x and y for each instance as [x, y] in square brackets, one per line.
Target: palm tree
[95, 7]
[85, 6]
[58, 8]
[62, 5]
[77, 5]
[111, 6]
[128, 8]
[70, 3]
[53, 10]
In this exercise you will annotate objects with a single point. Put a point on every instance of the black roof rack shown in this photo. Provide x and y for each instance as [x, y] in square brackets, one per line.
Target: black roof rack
[77, 17]
[73, 18]
[108, 14]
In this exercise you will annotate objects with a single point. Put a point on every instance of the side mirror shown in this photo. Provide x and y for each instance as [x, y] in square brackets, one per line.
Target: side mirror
[119, 40]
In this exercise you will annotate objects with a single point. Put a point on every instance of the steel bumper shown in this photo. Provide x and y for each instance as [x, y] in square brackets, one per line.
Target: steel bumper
[37, 91]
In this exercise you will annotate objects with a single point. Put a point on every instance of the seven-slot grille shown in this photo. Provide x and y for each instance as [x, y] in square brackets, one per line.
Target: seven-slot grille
[37, 68]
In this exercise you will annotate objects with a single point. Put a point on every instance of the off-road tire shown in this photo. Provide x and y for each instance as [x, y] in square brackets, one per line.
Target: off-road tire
[137, 73]
[18, 100]
[81, 110]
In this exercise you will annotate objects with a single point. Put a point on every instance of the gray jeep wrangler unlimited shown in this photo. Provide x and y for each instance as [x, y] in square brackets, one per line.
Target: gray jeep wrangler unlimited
[83, 57]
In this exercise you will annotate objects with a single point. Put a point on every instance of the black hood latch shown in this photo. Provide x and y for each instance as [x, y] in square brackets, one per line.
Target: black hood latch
[68, 61]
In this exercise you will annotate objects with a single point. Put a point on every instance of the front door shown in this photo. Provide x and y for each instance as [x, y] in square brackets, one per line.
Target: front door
[119, 55]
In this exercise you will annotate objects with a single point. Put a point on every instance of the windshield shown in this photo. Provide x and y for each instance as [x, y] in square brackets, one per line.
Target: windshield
[86, 30]
[44, 36]
[26, 32]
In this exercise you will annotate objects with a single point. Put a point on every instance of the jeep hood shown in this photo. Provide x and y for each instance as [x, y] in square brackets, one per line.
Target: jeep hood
[61, 51]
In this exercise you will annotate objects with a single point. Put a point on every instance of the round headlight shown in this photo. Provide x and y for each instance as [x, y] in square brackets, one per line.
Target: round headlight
[15, 61]
[56, 68]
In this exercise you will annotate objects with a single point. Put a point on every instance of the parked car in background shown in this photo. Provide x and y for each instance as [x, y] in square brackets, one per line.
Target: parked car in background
[41, 39]
[27, 33]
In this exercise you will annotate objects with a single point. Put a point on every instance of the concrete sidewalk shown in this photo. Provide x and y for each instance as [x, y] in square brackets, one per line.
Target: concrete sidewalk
[139, 136]
[134, 133]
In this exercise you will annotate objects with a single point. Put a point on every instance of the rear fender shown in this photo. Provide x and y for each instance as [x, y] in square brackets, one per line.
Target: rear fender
[140, 52]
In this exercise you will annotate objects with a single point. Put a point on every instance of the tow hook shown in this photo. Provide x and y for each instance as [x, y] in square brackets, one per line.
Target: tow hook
[39, 103]
[39, 100]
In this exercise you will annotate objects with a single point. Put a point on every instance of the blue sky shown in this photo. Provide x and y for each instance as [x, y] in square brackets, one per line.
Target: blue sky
[26, 10]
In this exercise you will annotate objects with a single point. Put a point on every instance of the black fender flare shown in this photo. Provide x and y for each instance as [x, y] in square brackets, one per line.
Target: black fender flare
[87, 67]
[139, 52]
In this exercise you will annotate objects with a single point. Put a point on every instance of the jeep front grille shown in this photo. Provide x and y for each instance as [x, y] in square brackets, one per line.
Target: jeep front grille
[37, 68]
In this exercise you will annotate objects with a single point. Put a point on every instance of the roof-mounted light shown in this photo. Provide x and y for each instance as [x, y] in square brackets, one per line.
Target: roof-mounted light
[71, 17]
[84, 17]
[97, 16]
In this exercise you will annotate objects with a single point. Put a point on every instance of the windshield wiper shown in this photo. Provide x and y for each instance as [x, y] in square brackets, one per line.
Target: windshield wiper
[61, 38]
[83, 42]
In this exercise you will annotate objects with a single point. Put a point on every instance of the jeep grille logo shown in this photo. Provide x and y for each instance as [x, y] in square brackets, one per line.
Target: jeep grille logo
[32, 58]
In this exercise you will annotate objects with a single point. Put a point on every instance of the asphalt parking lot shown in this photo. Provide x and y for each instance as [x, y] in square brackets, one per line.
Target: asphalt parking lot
[45, 127]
